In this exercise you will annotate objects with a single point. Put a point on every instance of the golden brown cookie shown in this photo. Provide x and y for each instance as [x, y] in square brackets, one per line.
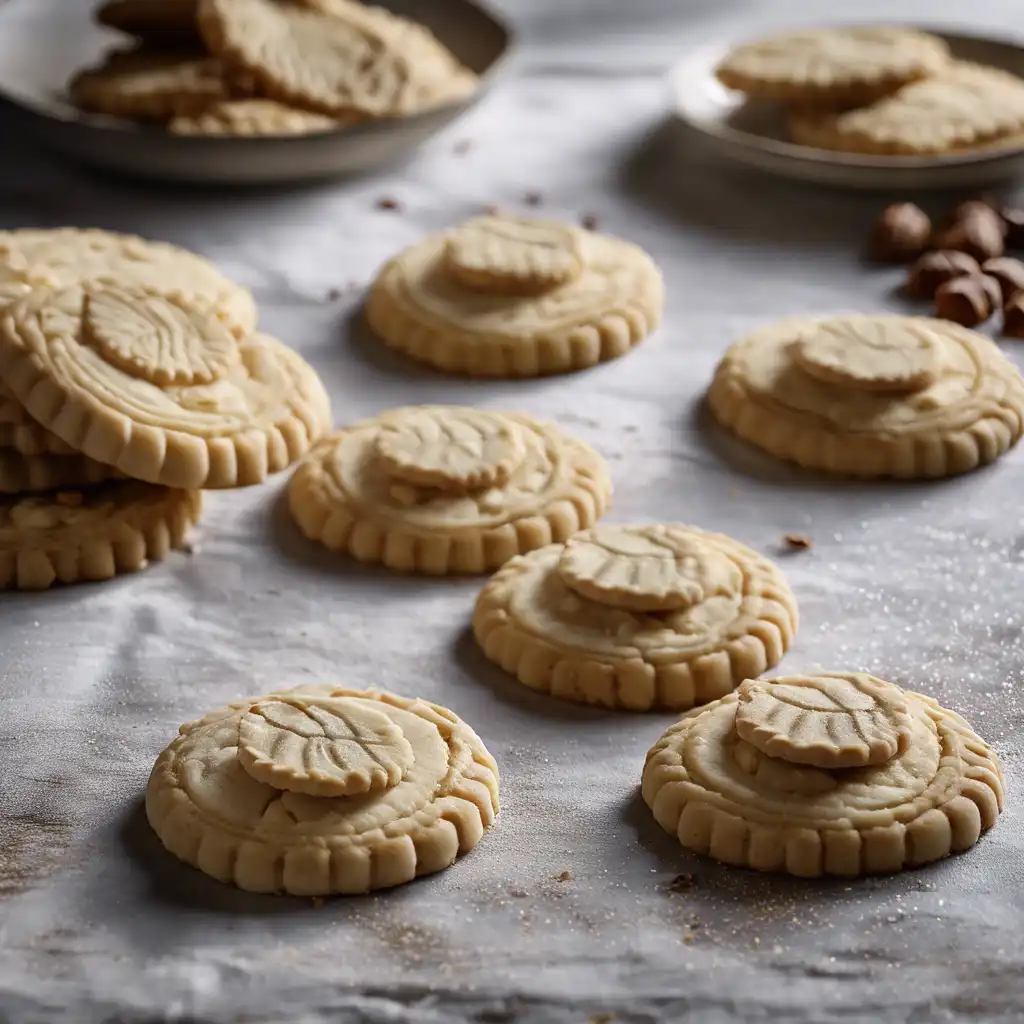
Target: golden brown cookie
[255, 117]
[159, 387]
[871, 396]
[72, 256]
[447, 489]
[511, 297]
[965, 106]
[833, 67]
[834, 774]
[21, 474]
[18, 431]
[353, 59]
[637, 617]
[153, 20]
[81, 536]
[438, 795]
[150, 84]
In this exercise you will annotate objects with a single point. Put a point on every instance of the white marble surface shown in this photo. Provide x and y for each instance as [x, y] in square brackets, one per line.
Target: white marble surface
[921, 584]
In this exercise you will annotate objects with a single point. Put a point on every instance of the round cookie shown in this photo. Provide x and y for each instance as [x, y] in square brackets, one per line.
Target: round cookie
[159, 387]
[149, 85]
[211, 812]
[255, 117]
[72, 256]
[833, 67]
[966, 105]
[447, 489]
[153, 20]
[871, 396]
[510, 297]
[80, 536]
[20, 474]
[722, 795]
[349, 59]
[637, 617]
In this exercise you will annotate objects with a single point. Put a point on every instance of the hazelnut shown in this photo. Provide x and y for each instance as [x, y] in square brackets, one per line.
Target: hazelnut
[987, 209]
[900, 234]
[968, 300]
[1009, 272]
[936, 268]
[1013, 218]
[1013, 316]
[978, 232]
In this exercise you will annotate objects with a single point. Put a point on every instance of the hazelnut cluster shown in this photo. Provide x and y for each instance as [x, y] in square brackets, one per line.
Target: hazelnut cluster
[960, 263]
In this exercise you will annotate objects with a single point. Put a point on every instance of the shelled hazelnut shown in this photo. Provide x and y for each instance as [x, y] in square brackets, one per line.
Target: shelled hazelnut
[968, 300]
[1013, 316]
[900, 234]
[936, 268]
[1009, 272]
[974, 228]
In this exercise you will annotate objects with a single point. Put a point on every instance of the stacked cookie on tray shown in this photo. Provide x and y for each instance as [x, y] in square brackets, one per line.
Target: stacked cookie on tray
[131, 377]
[267, 67]
[881, 91]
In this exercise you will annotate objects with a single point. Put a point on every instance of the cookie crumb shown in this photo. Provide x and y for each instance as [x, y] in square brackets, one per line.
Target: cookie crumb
[797, 541]
[387, 203]
[533, 199]
[589, 221]
[688, 939]
[681, 883]
[564, 876]
[463, 146]
[518, 892]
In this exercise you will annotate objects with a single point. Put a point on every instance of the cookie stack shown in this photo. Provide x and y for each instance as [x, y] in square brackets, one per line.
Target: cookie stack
[882, 91]
[263, 67]
[132, 378]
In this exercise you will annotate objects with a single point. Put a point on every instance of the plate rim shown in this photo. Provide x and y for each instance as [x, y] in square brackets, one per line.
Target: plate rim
[793, 151]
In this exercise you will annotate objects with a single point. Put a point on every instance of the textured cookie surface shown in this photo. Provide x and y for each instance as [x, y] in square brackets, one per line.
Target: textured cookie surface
[347, 59]
[444, 489]
[209, 810]
[833, 66]
[255, 117]
[94, 534]
[966, 105]
[21, 473]
[505, 297]
[70, 256]
[159, 387]
[904, 782]
[637, 617]
[150, 85]
[871, 396]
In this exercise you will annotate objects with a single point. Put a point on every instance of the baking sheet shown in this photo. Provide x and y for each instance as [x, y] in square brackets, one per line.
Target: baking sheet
[921, 584]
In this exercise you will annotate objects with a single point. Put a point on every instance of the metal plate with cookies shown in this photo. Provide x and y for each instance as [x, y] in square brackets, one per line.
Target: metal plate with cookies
[763, 133]
[44, 43]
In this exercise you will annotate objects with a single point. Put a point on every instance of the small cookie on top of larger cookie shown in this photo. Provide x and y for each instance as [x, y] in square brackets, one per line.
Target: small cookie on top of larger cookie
[654, 617]
[838, 773]
[871, 396]
[833, 67]
[514, 297]
[447, 489]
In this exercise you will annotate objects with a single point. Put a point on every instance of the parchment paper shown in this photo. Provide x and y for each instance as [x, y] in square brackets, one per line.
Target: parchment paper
[920, 584]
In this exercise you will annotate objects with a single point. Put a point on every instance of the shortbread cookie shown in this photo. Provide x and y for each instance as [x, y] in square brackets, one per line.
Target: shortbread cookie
[255, 117]
[637, 617]
[447, 489]
[21, 433]
[965, 106]
[438, 793]
[70, 256]
[151, 85]
[153, 20]
[833, 67]
[861, 778]
[871, 396]
[79, 536]
[21, 474]
[350, 60]
[160, 387]
[509, 297]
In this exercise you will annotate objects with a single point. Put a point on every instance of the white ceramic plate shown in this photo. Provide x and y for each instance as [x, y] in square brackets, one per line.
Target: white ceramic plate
[42, 42]
[754, 133]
